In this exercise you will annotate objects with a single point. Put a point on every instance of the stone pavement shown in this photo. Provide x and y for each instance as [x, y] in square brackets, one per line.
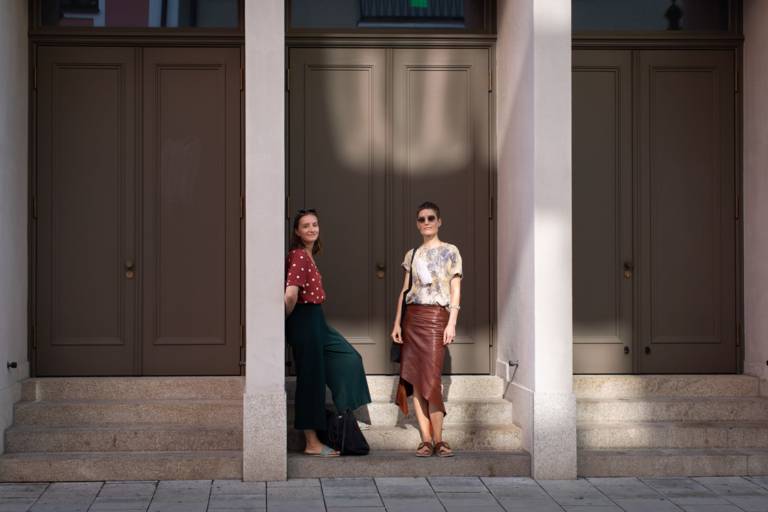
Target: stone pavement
[450, 494]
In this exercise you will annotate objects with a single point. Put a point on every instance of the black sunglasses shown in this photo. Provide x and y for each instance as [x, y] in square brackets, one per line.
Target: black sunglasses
[422, 220]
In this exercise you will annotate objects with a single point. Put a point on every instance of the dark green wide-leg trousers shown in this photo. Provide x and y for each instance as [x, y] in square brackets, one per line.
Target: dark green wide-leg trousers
[323, 358]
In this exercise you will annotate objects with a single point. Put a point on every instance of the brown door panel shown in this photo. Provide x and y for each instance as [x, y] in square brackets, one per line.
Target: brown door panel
[85, 231]
[337, 144]
[191, 211]
[686, 212]
[442, 154]
[602, 211]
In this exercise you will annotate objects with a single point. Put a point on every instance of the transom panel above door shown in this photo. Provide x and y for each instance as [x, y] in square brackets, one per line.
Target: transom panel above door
[137, 195]
[373, 133]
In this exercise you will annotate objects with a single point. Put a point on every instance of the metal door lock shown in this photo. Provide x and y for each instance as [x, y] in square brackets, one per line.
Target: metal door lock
[380, 270]
[626, 350]
[647, 350]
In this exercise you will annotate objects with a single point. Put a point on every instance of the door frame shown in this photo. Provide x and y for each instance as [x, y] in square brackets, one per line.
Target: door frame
[135, 38]
[732, 41]
[415, 41]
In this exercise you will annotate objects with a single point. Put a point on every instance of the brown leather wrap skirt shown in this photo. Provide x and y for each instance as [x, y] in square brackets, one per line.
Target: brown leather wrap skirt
[421, 363]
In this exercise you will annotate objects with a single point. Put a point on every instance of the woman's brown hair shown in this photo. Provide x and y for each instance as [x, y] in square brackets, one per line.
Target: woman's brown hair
[296, 242]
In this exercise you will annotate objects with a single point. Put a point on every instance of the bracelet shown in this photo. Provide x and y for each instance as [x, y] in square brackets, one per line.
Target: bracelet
[454, 306]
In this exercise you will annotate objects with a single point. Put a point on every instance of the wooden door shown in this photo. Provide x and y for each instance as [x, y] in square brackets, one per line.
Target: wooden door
[441, 153]
[337, 143]
[85, 210]
[602, 212]
[686, 211]
[373, 133]
[191, 211]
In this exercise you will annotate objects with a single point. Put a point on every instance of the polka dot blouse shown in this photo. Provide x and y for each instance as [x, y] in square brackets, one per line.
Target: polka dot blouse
[301, 271]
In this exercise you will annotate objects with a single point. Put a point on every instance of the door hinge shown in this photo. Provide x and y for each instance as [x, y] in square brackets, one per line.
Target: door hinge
[242, 79]
[490, 207]
[288, 79]
[34, 78]
[242, 345]
[738, 205]
[738, 334]
[33, 334]
[242, 207]
[34, 207]
[287, 207]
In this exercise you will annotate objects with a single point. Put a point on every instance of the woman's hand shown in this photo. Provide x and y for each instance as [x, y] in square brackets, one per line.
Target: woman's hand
[397, 335]
[449, 333]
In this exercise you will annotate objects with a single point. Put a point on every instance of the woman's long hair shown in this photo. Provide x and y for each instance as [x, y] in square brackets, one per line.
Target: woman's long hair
[296, 242]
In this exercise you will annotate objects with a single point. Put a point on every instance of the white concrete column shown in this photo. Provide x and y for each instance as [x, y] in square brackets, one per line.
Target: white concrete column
[14, 173]
[264, 422]
[756, 187]
[534, 218]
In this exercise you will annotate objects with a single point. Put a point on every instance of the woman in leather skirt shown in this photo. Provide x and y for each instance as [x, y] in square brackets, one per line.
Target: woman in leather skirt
[322, 356]
[429, 325]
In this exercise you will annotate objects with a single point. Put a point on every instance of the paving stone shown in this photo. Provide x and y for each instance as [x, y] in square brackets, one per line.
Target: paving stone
[178, 507]
[575, 493]
[750, 503]
[475, 501]
[238, 487]
[530, 505]
[127, 490]
[711, 508]
[590, 508]
[15, 504]
[371, 500]
[731, 486]
[107, 504]
[344, 486]
[685, 491]
[457, 484]
[413, 504]
[515, 487]
[295, 482]
[624, 488]
[647, 505]
[356, 509]
[21, 490]
[238, 501]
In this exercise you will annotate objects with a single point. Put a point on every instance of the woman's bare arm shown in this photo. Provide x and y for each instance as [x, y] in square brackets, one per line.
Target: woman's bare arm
[290, 299]
[396, 334]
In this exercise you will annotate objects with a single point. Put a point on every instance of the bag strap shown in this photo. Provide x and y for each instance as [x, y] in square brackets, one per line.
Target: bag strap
[410, 274]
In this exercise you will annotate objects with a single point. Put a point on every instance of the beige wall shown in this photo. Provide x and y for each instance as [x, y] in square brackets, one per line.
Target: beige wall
[264, 443]
[13, 203]
[534, 218]
[756, 187]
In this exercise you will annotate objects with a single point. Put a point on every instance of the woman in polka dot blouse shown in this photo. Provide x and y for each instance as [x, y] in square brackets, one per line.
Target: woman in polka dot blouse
[323, 357]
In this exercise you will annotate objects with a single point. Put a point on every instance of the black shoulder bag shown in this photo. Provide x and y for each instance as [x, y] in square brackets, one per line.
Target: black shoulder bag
[396, 349]
[343, 434]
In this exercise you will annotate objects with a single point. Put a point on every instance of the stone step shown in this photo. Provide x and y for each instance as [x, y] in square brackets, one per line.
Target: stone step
[405, 463]
[491, 412]
[198, 413]
[99, 466]
[122, 438]
[672, 462]
[639, 386]
[673, 434]
[673, 409]
[455, 387]
[461, 437]
[132, 388]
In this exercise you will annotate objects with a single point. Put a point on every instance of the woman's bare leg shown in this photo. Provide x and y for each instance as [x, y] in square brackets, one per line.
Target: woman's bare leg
[422, 416]
[313, 444]
[436, 419]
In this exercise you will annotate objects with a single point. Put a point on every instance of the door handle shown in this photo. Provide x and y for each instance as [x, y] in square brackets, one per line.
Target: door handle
[380, 270]
[130, 265]
[628, 269]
